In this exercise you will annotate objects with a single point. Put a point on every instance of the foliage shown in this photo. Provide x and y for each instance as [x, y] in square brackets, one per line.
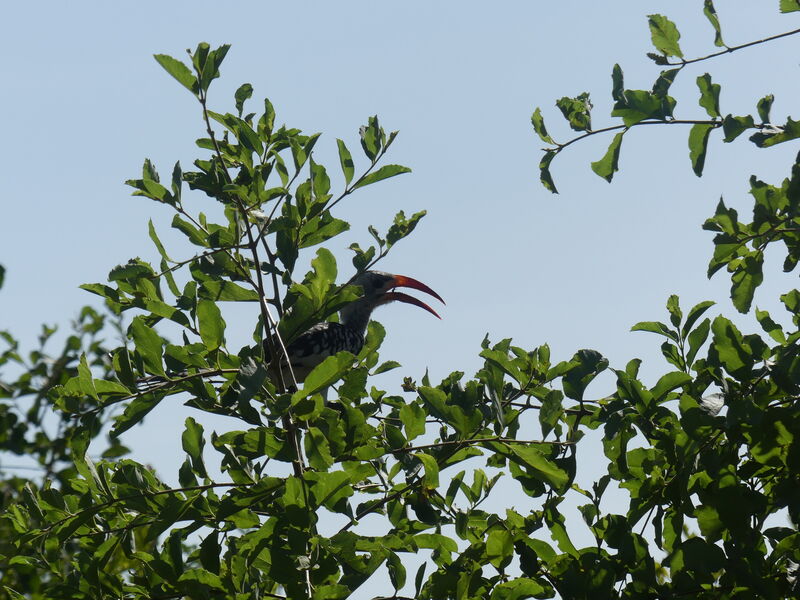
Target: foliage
[302, 478]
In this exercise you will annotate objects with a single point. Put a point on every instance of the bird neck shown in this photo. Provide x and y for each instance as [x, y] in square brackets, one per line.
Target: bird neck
[355, 316]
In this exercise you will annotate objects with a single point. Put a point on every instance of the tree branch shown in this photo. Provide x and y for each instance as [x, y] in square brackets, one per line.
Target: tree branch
[730, 49]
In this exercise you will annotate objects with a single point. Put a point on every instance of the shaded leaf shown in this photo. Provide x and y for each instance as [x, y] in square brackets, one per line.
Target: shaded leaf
[777, 135]
[242, 94]
[211, 325]
[544, 171]
[192, 441]
[732, 126]
[608, 165]
[148, 345]
[346, 161]
[698, 144]
[764, 107]
[538, 126]
[709, 95]
[711, 14]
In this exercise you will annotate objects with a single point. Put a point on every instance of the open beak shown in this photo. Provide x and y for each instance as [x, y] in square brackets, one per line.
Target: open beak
[409, 282]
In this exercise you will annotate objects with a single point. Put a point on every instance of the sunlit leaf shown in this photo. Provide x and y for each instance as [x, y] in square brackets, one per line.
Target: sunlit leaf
[665, 35]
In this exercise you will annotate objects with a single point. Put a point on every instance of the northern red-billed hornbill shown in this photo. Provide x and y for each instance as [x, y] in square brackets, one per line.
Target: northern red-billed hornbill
[326, 339]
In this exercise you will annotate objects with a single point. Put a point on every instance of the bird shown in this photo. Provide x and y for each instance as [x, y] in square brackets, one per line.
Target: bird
[325, 339]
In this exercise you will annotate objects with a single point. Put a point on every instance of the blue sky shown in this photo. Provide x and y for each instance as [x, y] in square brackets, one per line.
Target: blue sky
[83, 104]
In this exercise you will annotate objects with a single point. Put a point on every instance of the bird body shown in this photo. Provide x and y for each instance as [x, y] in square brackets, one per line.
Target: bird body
[316, 344]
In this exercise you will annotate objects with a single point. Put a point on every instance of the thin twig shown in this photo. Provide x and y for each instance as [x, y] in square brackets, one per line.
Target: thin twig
[473, 441]
[714, 123]
[730, 49]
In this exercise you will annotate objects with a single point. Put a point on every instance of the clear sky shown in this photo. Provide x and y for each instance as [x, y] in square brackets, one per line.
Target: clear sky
[83, 103]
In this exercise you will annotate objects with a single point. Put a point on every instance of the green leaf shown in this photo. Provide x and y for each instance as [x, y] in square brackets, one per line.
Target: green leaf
[664, 35]
[698, 143]
[2, 275]
[669, 382]
[551, 412]
[318, 449]
[195, 236]
[179, 71]
[555, 523]
[227, 291]
[777, 135]
[267, 121]
[242, 94]
[384, 172]
[709, 95]
[773, 329]
[134, 412]
[608, 165]
[577, 111]
[674, 309]
[85, 378]
[538, 126]
[413, 418]
[788, 6]
[419, 578]
[544, 468]
[585, 365]
[199, 583]
[519, 588]
[764, 107]
[617, 84]
[329, 488]
[154, 236]
[431, 470]
[148, 345]
[321, 183]
[500, 547]
[697, 338]
[745, 279]
[370, 135]
[402, 227]
[321, 229]
[711, 14]
[397, 572]
[193, 442]
[695, 313]
[664, 82]
[386, 366]
[544, 171]
[733, 127]
[346, 161]
[207, 63]
[729, 347]
[637, 105]
[211, 324]
[133, 269]
[329, 371]
[656, 327]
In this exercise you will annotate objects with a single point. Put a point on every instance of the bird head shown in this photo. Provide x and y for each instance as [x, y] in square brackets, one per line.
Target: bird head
[379, 288]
